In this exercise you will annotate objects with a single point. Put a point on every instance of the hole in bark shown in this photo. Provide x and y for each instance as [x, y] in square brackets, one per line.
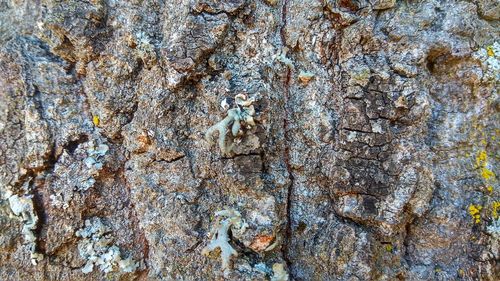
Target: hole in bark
[440, 61]
[301, 227]
[72, 145]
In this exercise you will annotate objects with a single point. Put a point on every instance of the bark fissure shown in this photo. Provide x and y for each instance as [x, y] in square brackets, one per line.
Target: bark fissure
[286, 149]
[369, 124]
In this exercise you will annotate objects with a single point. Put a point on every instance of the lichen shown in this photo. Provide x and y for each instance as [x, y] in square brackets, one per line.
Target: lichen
[22, 206]
[97, 249]
[475, 212]
[279, 273]
[495, 206]
[243, 113]
[145, 49]
[494, 229]
[305, 77]
[95, 154]
[227, 220]
[486, 174]
[286, 61]
[96, 120]
[389, 248]
[81, 168]
[490, 59]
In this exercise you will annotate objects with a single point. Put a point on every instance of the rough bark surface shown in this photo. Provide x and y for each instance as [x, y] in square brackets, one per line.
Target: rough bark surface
[374, 154]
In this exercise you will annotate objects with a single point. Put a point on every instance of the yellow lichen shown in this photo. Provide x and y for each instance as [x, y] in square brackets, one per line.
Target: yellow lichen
[495, 208]
[481, 158]
[389, 248]
[490, 51]
[487, 173]
[96, 120]
[489, 188]
[475, 212]
[481, 161]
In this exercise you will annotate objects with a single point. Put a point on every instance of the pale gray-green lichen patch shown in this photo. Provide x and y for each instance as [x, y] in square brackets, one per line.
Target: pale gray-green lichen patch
[243, 113]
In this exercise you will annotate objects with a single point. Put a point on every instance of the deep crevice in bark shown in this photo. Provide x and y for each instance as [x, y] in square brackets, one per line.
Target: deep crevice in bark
[286, 151]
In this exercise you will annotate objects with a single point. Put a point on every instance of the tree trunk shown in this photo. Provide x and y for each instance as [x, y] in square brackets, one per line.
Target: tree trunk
[249, 140]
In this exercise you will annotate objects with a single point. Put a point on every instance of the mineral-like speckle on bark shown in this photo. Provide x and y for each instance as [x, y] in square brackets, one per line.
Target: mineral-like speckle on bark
[374, 156]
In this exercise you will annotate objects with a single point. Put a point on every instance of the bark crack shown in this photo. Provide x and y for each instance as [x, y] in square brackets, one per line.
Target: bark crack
[286, 151]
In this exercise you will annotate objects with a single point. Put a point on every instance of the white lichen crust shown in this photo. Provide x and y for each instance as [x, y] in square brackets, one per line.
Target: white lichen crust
[231, 220]
[22, 207]
[489, 57]
[82, 168]
[243, 113]
[279, 272]
[494, 229]
[96, 247]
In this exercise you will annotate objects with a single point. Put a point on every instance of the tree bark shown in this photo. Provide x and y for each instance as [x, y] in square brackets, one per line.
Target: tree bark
[365, 145]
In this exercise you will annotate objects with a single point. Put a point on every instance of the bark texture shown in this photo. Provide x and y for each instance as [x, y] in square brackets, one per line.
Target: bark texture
[374, 154]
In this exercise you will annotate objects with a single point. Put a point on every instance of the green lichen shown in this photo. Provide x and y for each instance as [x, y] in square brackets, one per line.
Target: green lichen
[242, 114]
[230, 220]
[286, 61]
